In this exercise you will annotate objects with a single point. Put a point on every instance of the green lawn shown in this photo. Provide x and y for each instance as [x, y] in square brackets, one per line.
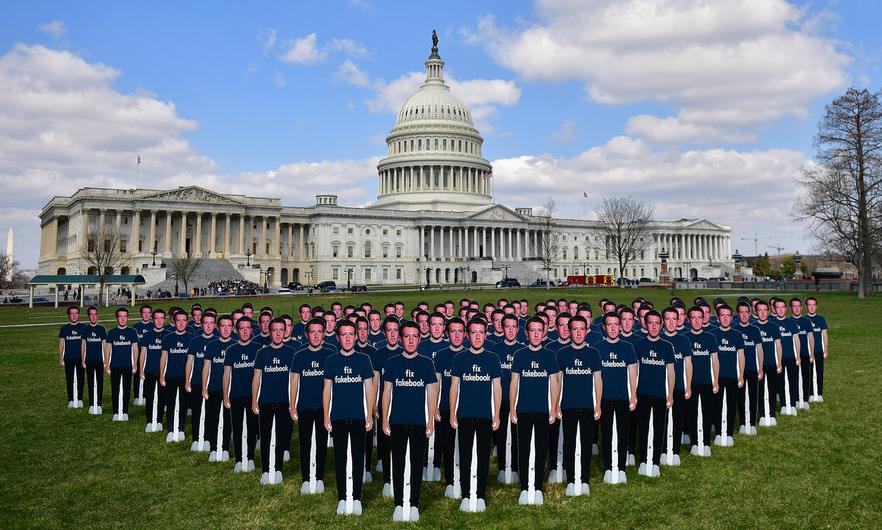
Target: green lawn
[64, 468]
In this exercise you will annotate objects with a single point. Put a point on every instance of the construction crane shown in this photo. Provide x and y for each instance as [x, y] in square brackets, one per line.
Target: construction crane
[777, 247]
[755, 240]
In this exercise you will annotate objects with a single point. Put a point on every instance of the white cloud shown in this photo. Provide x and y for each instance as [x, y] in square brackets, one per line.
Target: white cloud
[350, 72]
[724, 66]
[303, 50]
[363, 5]
[349, 47]
[565, 132]
[56, 28]
[268, 38]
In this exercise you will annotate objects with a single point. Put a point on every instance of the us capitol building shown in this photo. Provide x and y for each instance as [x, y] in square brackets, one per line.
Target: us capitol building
[434, 221]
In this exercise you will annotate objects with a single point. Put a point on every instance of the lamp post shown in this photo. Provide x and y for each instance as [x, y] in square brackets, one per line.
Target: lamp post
[797, 260]
[738, 276]
[154, 253]
[247, 257]
[663, 276]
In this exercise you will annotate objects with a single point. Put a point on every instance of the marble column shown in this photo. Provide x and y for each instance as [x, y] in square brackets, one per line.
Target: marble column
[168, 233]
[197, 247]
[135, 237]
[182, 242]
[300, 244]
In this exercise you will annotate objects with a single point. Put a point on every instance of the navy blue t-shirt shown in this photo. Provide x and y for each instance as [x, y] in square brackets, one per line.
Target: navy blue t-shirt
[789, 331]
[819, 324]
[429, 348]
[197, 352]
[215, 354]
[366, 349]
[275, 375]
[593, 337]
[556, 345]
[121, 341]
[410, 379]
[330, 341]
[94, 337]
[142, 326]
[240, 358]
[262, 340]
[704, 344]
[769, 332]
[654, 357]
[151, 342]
[476, 372]
[73, 339]
[534, 367]
[443, 366]
[728, 342]
[505, 352]
[378, 361]
[751, 336]
[177, 346]
[347, 373]
[615, 358]
[805, 329]
[682, 349]
[578, 364]
[309, 364]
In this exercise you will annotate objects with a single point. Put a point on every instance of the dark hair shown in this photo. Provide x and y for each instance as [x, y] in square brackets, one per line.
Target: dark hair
[90, 308]
[224, 317]
[694, 309]
[479, 321]
[345, 324]
[72, 308]
[410, 325]
[244, 320]
[120, 310]
[315, 321]
[455, 320]
[577, 318]
[724, 306]
[391, 320]
[508, 318]
[277, 321]
[247, 305]
[532, 320]
[670, 309]
[611, 314]
[652, 313]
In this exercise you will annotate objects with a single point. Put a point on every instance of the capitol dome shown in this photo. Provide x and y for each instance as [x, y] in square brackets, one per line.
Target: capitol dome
[434, 153]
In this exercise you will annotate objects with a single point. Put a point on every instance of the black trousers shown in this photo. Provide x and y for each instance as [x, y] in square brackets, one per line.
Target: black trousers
[553, 442]
[345, 431]
[415, 435]
[71, 367]
[196, 417]
[368, 448]
[280, 413]
[620, 408]
[806, 369]
[175, 395]
[120, 380]
[500, 438]
[95, 376]
[384, 455]
[215, 412]
[584, 420]
[633, 425]
[791, 372]
[530, 424]
[819, 366]
[472, 430]
[655, 405]
[243, 418]
[705, 394]
[678, 414]
[307, 421]
[153, 394]
[445, 444]
[749, 390]
[768, 387]
[729, 387]
[136, 387]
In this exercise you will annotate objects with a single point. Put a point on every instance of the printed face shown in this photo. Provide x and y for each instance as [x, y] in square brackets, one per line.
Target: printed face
[122, 319]
[743, 314]
[535, 333]
[305, 314]
[780, 309]
[93, 316]
[671, 320]
[248, 312]
[456, 334]
[448, 309]
[277, 332]
[73, 314]
[226, 328]
[612, 326]
[392, 333]
[725, 317]
[681, 317]
[264, 324]
[578, 330]
[436, 327]
[705, 311]
[346, 337]
[315, 334]
[197, 316]
[653, 325]
[796, 308]
[337, 309]
[627, 320]
[289, 327]
[389, 311]
[244, 331]
[145, 314]
[563, 328]
[410, 339]
[696, 319]
[330, 322]
[510, 329]
[158, 320]
[361, 331]
[374, 320]
[477, 334]
[812, 306]
[399, 311]
[762, 312]
[208, 325]
[573, 306]
[497, 322]
[423, 322]
[180, 322]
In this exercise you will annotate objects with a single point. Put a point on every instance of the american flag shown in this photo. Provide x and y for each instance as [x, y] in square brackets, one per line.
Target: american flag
[139, 160]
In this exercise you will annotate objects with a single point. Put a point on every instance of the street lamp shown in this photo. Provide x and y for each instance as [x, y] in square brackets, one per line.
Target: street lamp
[247, 257]
[154, 253]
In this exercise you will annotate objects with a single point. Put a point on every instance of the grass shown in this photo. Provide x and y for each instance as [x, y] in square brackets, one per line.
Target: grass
[64, 468]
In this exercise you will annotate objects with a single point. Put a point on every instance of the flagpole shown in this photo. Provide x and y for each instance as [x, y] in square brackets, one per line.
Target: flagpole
[138, 172]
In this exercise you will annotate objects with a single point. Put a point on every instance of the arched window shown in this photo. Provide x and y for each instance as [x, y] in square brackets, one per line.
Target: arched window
[444, 144]
[575, 252]
[350, 250]
[367, 249]
[565, 253]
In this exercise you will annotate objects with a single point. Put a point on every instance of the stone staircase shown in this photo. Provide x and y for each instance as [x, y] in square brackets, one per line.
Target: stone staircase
[209, 270]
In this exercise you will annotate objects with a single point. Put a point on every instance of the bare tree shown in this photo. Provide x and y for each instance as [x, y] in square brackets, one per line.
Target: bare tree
[184, 269]
[8, 270]
[102, 252]
[549, 241]
[843, 193]
[624, 224]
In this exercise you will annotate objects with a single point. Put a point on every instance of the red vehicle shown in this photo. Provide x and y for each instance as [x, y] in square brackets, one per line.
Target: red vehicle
[595, 279]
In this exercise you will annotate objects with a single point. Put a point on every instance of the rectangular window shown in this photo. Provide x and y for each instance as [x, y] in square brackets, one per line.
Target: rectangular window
[385, 273]
[350, 251]
[367, 275]
[385, 252]
[397, 252]
[106, 245]
[398, 273]
[398, 232]
[335, 273]
[349, 230]
[335, 230]
[385, 232]
[335, 250]
[122, 246]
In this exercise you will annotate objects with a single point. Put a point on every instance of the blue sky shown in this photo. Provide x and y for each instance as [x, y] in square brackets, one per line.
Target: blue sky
[702, 110]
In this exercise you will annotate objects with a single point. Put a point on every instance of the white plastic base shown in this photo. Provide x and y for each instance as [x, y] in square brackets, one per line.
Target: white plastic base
[223, 456]
[788, 411]
[139, 402]
[724, 441]
[674, 460]
[612, 478]
[153, 427]
[513, 479]
[703, 451]
[595, 450]
[367, 478]
[630, 461]
[286, 456]
[95, 410]
[648, 471]
[816, 399]
[747, 430]
[387, 489]
[78, 404]
[684, 439]
[200, 447]
[120, 417]
[379, 466]
[453, 491]
[319, 488]
[243, 467]
[466, 506]
[572, 491]
[175, 436]
[431, 474]
[265, 478]
[803, 405]
[555, 478]
[525, 499]
[768, 422]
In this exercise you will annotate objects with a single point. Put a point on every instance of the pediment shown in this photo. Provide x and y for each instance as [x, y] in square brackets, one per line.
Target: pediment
[191, 194]
[705, 225]
[497, 212]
